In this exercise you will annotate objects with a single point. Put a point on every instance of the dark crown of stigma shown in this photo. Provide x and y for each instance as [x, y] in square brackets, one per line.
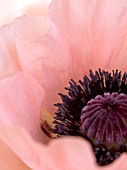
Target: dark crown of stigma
[67, 118]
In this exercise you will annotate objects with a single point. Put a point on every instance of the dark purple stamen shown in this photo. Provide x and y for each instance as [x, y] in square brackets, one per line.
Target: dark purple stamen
[96, 109]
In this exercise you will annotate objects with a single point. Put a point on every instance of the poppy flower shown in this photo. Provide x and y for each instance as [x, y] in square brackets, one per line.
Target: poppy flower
[39, 56]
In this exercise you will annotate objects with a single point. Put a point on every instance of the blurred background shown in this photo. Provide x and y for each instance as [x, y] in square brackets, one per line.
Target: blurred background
[10, 9]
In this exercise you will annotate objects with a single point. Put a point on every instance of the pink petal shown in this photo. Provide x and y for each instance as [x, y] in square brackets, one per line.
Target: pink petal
[70, 153]
[95, 32]
[21, 100]
[62, 154]
[21, 144]
[9, 64]
[8, 33]
[76, 154]
[8, 160]
[41, 53]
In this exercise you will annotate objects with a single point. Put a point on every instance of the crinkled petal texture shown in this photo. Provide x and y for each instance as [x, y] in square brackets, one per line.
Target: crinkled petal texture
[80, 35]
[37, 52]
[60, 154]
[94, 31]
[21, 98]
[32, 44]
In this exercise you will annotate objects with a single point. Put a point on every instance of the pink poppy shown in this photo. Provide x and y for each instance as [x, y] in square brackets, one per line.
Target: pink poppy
[39, 55]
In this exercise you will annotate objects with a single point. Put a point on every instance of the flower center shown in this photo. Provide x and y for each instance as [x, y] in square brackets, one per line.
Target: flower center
[96, 109]
[104, 120]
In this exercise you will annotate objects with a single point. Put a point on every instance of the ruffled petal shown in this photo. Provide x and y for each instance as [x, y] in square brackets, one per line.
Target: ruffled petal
[95, 32]
[42, 53]
[63, 153]
[9, 64]
[8, 34]
[21, 99]
[68, 153]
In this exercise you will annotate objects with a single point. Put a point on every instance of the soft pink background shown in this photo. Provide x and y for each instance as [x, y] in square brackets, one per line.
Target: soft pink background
[10, 9]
